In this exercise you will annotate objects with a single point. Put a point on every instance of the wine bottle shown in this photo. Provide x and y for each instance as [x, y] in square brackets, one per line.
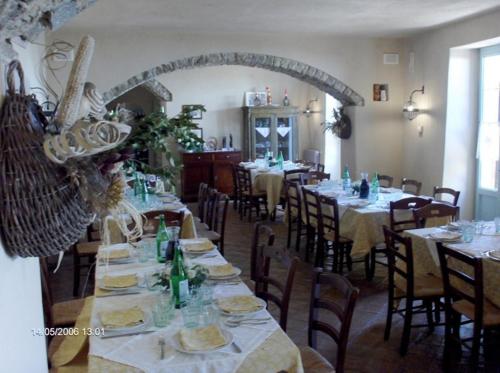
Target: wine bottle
[162, 239]
[179, 284]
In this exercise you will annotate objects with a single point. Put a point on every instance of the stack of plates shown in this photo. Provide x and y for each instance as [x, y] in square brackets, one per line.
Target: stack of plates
[444, 236]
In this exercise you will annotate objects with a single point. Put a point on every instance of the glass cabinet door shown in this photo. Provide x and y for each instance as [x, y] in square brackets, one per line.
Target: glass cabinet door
[284, 137]
[263, 138]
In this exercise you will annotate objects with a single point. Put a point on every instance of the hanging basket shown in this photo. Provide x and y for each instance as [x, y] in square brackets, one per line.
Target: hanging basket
[42, 211]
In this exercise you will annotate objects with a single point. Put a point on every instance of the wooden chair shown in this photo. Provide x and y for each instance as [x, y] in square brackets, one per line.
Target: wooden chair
[385, 181]
[262, 236]
[294, 213]
[263, 255]
[464, 296]
[343, 310]
[411, 186]
[202, 195]
[84, 254]
[218, 219]
[402, 207]
[236, 189]
[313, 177]
[312, 211]
[290, 175]
[172, 219]
[440, 192]
[250, 199]
[403, 284]
[58, 314]
[434, 210]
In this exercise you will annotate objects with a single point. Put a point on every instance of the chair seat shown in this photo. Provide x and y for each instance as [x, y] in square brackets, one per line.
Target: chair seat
[491, 313]
[211, 235]
[87, 248]
[65, 313]
[314, 362]
[330, 236]
[426, 286]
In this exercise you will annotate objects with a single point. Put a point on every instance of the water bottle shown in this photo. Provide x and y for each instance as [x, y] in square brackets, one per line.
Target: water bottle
[374, 188]
[346, 180]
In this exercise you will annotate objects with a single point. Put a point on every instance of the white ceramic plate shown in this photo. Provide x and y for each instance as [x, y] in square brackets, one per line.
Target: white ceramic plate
[261, 302]
[237, 272]
[134, 287]
[197, 253]
[494, 255]
[445, 236]
[176, 344]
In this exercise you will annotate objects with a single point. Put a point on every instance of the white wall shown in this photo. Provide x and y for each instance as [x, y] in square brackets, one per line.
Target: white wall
[424, 157]
[20, 295]
[376, 146]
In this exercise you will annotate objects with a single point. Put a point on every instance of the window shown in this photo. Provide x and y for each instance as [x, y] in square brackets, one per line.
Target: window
[489, 117]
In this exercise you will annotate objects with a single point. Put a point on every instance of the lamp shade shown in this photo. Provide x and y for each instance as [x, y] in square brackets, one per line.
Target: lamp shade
[410, 110]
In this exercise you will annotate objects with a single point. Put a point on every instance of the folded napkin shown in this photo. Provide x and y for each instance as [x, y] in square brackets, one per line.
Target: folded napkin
[198, 339]
[222, 270]
[122, 318]
[197, 245]
[238, 304]
[119, 282]
[116, 254]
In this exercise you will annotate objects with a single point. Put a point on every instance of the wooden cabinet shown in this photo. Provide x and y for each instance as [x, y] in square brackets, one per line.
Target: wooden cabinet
[270, 128]
[213, 168]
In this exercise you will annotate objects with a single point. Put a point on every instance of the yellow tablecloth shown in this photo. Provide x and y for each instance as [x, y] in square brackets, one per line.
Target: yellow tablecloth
[426, 259]
[272, 183]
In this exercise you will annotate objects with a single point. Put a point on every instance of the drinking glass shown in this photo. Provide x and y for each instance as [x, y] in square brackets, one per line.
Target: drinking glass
[163, 310]
[152, 280]
[205, 294]
[479, 226]
[468, 231]
[143, 251]
[191, 312]
[209, 315]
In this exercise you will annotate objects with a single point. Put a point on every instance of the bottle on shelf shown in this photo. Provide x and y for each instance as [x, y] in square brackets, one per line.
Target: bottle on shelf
[286, 101]
[346, 180]
[162, 240]
[179, 284]
[269, 97]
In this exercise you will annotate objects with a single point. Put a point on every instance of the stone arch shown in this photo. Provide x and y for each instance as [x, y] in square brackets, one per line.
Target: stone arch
[153, 86]
[309, 74]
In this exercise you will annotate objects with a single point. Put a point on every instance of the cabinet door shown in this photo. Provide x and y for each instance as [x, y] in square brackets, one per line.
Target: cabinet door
[285, 136]
[197, 169]
[262, 135]
[223, 171]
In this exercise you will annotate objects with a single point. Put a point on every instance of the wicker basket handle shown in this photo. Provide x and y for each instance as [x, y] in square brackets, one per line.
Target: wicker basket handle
[11, 85]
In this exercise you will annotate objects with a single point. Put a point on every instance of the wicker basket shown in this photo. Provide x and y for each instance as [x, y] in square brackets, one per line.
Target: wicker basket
[42, 210]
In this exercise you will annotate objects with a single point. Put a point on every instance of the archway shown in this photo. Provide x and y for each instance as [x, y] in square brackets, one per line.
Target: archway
[299, 70]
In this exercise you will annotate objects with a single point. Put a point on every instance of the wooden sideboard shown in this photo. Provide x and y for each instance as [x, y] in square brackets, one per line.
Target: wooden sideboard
[213, 168]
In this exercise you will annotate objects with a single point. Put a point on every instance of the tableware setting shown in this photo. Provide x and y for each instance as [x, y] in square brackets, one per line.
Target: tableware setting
[116, 254]
[197, 246]
[223, 271]
[124, 322]
[445, 236]
[119, 283]
[202, 340]
[240, 305]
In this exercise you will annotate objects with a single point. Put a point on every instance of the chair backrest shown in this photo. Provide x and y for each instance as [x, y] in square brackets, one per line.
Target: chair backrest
[312, 207]
[411, 186]
[202, 195]
[408, 221]
[462, 279]
[329, 221]
[210, 202]
[244, 178]
[440, 192]
[235, 181]
[219, 216]
[47, 298]
[294, 175]
[434, 210]
[342, 308]
[262, 236]
[172, 219]
[263, 279]
[320, 167]
[311, 155]
[385, 181]
[293, 199]
[313, 177]
[400, 261]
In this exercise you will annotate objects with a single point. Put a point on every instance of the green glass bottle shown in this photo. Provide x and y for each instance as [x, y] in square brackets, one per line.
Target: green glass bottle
[143, 190]
[179, 284]
[281, 161]
[162, 239]
[136, 184]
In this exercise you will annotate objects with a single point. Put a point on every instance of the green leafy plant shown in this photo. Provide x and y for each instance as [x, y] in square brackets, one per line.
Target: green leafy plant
[196, 276]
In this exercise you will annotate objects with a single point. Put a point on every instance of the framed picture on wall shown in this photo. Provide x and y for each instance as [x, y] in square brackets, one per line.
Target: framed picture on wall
[255, 98]
[194, 110]
[380, 92]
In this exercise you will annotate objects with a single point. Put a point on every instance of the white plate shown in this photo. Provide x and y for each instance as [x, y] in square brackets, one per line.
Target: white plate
[261, 302]
[198, 253]
[445, 236]
[176, 344]
[237, 272]
[134, 287]
[494, 255]
[130, 329]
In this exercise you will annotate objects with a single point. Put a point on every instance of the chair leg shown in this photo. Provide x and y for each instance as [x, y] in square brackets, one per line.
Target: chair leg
[309, 244]
[76, 274]
[428, 309]
[437, 312]
[289, 233]
[373, 256]
[405, 340]
[299, 233]
[476, 344]
[349, 259]
[367, 267]
[390, 309]
[341, 260]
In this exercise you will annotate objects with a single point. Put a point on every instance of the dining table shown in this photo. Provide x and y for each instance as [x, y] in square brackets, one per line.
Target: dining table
[426, 260]
[262, 347]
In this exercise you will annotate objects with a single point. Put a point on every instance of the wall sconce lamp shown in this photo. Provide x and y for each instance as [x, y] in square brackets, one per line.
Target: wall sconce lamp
[410, 109]
[308, 110]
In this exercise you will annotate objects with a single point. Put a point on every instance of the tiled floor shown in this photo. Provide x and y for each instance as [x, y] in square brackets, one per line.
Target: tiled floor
[367, 350]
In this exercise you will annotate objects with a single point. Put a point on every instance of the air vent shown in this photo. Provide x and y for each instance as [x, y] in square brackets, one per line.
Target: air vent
[391, 59]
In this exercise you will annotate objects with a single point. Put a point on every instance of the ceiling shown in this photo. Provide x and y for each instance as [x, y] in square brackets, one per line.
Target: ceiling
[382, 18]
